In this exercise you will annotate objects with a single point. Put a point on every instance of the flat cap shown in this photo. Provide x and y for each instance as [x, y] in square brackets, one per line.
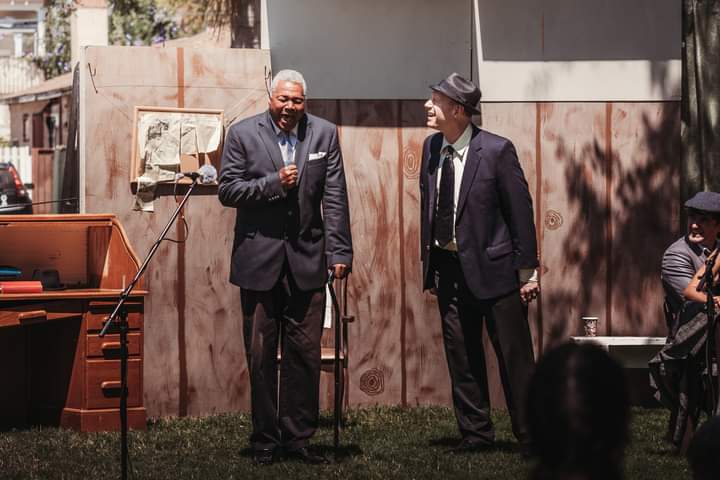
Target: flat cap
[705, 201]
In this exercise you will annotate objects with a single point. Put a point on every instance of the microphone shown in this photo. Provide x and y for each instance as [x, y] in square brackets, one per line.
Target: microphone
[207, 174]
[709, 264]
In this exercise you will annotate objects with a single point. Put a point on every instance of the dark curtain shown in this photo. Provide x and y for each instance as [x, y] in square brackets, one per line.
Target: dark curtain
[700, 130]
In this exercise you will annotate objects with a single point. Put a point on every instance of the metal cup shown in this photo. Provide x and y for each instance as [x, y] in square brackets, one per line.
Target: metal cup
[590, 326]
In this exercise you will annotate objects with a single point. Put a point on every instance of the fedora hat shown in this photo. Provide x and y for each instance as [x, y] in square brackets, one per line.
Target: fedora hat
[460, 90]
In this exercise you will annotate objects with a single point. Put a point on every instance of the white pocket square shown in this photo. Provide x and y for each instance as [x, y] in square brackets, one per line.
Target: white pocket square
[316, 156]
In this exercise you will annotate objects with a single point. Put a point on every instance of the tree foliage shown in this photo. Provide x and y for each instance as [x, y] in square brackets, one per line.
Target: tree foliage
[56, 60]
[140, 22]
[242, 16]
[130, 22]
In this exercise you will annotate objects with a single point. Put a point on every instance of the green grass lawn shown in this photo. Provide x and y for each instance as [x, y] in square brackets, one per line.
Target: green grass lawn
[382, 443]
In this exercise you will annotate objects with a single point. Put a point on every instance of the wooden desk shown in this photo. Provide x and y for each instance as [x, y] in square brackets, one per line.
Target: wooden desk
[54, 369]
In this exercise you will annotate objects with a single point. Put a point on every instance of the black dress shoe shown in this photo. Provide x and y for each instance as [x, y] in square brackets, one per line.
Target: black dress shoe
[264, 456]
[304, 455]
[467, 445]
[526, 450]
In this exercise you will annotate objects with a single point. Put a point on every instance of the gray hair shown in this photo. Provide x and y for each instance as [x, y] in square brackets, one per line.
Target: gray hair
[288, 76]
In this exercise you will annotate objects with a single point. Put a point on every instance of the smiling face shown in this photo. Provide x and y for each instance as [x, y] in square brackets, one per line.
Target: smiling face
[440, 111]
[703, 228]
[287, 104]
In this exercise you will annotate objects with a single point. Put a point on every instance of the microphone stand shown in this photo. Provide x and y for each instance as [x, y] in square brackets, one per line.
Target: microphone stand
[118, 317]
[711, 326]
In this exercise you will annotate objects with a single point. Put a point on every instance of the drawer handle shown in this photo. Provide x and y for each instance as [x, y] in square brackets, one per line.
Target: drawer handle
[33, 316]
[110, 385]
[110, 346]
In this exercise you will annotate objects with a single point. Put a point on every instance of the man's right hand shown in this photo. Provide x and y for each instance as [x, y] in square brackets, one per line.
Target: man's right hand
[288, 176]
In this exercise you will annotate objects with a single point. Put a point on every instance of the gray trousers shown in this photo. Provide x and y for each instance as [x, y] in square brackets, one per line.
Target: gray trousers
[294, 318]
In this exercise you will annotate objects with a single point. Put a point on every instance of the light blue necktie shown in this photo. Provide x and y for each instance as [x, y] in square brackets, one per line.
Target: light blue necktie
[287, 148]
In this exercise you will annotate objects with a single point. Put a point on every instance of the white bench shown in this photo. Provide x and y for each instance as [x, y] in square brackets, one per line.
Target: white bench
[631, 352]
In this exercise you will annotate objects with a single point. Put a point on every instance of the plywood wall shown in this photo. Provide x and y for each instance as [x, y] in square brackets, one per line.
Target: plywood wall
[194, 361]
[603, 177]
[604, 181]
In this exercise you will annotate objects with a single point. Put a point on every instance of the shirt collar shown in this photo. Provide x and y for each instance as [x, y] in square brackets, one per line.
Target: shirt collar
[697, 248]
[278, 131]
[462, 143]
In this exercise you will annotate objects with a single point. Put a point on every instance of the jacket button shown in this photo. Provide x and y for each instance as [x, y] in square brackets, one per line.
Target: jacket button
[427, 247]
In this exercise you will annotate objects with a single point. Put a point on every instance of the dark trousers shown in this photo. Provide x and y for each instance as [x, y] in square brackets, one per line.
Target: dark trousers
[462, 317]
[298, 315]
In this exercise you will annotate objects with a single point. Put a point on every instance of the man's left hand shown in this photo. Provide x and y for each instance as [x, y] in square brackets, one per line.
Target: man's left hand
[529, 291]
[340, 270]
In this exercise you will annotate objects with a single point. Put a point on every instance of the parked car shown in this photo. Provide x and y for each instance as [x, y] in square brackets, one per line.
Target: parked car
[14, 197]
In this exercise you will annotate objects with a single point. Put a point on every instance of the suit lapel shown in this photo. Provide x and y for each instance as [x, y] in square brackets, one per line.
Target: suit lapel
[269, 138]
[302, 148]
[474, 157]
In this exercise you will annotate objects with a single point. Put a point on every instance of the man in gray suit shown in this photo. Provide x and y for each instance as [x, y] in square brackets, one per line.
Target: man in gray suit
[283, 172]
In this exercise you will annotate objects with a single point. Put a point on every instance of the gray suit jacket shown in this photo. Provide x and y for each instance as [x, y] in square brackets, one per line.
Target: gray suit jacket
[680, 262]
[273, 225]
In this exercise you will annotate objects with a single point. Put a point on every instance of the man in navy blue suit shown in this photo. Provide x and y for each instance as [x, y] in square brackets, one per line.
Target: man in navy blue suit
[283, 172]
[479, 256]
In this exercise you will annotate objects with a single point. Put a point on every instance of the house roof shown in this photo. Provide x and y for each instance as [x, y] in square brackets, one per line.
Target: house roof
[53, 88]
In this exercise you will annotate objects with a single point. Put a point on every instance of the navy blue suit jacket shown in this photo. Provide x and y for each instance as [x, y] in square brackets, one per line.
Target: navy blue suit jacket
[273, 224]
[494, 225]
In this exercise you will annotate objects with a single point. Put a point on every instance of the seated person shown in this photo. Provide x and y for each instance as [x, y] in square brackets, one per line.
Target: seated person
[685, 257]
[675, 373]
[578, 414]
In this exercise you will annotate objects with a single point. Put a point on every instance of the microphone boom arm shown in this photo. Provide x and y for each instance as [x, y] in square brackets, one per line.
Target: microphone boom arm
[128, 290]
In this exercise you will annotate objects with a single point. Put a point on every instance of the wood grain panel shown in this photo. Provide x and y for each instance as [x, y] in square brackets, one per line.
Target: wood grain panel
[645, 211]
[217, 378]
[201, 344]
[574, 217]
[371, 166]
[427, 380]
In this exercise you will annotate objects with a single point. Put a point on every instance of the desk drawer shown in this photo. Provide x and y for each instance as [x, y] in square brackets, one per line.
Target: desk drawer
[108, 347]
[103, 383]
[96, 321]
